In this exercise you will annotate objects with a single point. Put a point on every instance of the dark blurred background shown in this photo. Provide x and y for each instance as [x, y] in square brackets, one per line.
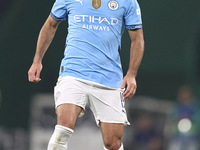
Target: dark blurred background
[171, 58]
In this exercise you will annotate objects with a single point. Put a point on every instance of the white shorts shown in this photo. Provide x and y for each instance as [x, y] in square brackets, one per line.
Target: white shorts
[107, 104]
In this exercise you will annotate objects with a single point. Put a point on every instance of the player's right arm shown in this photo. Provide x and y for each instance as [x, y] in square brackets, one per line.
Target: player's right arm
[44, 40]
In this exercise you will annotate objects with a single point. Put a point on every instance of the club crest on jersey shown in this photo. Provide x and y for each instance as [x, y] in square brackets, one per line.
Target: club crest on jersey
[113, 5]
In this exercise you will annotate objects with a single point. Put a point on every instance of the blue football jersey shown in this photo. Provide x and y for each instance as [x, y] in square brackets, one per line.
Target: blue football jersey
[93, 43]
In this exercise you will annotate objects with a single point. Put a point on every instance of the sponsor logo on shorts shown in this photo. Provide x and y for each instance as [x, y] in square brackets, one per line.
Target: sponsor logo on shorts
[123, 103]
[57, 95]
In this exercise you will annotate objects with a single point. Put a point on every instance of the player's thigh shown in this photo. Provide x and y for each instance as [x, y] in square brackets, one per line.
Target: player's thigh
[70, 100]
[67, 114]
[112, 133]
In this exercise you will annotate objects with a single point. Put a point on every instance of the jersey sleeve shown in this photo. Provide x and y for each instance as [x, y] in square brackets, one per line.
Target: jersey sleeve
[59, 10]
[133, 19]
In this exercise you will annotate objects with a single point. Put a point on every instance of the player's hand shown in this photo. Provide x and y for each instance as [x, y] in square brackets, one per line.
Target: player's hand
[129, 82]
[34, 72]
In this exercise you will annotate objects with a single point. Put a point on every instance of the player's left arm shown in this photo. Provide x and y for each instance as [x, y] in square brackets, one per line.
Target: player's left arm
[136, 54]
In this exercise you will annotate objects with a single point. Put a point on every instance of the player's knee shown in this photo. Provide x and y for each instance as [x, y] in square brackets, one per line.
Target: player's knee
[114, 145]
